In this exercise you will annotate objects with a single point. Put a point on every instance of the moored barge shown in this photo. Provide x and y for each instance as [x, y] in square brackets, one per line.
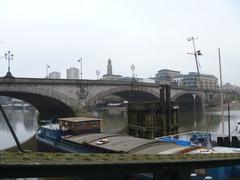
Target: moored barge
[83, 134]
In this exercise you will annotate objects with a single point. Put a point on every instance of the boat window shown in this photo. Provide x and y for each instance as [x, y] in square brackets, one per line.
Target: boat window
[83, 123]
[93, 122]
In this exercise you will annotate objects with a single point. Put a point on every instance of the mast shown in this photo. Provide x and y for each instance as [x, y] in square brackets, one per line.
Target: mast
[221, 90]
[197, 53]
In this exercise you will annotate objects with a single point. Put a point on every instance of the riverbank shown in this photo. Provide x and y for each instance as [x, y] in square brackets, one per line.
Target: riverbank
[235, 105]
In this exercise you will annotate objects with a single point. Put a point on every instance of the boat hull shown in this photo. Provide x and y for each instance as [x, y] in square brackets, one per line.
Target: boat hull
[46, 145]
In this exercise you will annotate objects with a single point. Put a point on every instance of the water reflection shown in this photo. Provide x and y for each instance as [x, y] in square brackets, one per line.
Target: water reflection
[115, 121]
[24, 123]
[212, 124]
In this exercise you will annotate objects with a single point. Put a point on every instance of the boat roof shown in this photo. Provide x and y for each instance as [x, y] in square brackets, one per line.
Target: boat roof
[79, 119]
[127, 144]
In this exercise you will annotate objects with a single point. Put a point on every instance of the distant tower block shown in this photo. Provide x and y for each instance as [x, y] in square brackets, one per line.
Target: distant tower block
[109, 67]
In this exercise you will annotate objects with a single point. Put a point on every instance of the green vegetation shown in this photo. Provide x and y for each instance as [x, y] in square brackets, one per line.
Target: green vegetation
[84, 158]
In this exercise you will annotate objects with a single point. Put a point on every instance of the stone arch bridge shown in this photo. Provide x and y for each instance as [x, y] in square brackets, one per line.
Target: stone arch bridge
[64, 97]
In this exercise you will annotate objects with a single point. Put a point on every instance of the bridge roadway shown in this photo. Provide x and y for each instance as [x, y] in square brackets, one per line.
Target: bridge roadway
[16, 164]
[64, 97]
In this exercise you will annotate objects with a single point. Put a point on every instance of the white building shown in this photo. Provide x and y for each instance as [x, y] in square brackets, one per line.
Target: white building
[165, 76]
[54, 75]
[207, 81]
[73, 73]
[177, 81]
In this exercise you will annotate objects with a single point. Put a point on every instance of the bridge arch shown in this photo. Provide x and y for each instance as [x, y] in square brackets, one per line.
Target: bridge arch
[186, 101]
[47, 106]
[183, 93]
[127, 93]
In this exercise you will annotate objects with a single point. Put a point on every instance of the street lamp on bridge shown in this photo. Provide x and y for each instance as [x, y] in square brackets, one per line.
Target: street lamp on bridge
[80, 61]
[9, 57]
[133, 69]
[47, 67]
[97, 73]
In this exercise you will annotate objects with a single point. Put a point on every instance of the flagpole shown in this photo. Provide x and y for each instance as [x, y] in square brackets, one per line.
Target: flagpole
[221, 89]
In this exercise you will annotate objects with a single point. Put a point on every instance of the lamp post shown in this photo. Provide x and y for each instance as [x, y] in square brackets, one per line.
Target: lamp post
[47, 67]
[133, 83]
[80, 61]
[97, 73]
[133, 69]
[9, 57]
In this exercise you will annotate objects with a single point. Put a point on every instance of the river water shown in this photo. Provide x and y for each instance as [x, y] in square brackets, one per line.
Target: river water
[116, 121]
[24, 123]
[213, 123]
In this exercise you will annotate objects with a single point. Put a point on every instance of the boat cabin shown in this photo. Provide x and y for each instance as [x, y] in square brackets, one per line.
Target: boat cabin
[50, 131]
[80, 125]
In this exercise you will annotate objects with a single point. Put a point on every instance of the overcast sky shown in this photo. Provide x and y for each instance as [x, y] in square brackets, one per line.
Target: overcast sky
[151, 34]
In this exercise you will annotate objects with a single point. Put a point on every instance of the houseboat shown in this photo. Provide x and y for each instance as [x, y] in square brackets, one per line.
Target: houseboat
[83, 134]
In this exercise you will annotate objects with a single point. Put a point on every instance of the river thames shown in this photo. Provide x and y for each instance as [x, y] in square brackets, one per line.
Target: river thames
[25, 124]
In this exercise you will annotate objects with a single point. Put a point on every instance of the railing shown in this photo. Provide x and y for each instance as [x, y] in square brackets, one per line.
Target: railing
[76, 164]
